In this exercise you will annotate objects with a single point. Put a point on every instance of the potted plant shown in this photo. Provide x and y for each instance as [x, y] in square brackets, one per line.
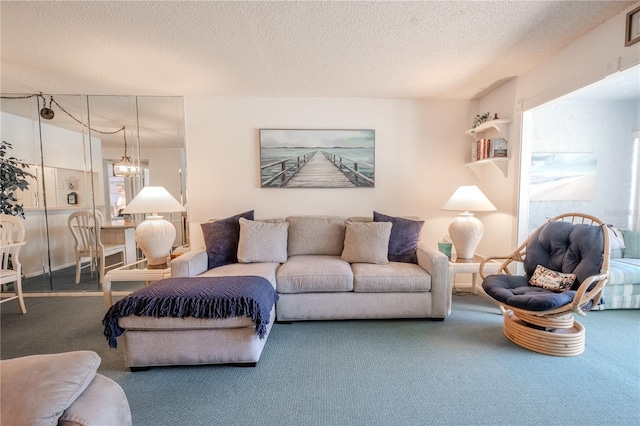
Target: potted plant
[13, 177]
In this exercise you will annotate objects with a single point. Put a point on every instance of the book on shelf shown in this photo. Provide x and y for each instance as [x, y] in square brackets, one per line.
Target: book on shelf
[488, 148]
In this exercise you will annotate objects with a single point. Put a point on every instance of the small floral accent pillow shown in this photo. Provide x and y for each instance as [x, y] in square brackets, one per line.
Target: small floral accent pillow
[551, 280]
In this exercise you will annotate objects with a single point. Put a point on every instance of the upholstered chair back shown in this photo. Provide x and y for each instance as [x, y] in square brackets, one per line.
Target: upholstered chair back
[568, 248]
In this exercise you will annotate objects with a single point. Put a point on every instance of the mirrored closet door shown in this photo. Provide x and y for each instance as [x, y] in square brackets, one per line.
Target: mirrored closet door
[75, 149]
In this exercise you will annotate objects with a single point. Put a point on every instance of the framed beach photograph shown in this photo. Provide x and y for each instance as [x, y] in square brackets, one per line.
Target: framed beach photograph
[632, 29]
[562, 176]
[298, 158]
[499, 147]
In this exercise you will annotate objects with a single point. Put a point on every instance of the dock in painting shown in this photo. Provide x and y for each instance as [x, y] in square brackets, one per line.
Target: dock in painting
[317, 158]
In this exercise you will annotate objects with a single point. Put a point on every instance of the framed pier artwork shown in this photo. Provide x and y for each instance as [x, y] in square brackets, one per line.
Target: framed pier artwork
[297, 158]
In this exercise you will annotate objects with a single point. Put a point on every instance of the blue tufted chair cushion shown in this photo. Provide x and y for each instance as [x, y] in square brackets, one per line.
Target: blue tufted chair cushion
[560, 246]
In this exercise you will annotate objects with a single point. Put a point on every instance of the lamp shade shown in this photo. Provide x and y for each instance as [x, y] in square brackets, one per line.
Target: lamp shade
[469, 198]
[155, 235]
[153, 199]
[125, 167]
[466, 230]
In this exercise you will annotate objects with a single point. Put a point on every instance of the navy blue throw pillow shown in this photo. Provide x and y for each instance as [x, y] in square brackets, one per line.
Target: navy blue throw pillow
[221, 239]
[405, 234]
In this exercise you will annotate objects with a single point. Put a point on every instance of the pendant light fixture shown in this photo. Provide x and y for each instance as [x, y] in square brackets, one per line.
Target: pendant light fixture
[125, 167]
[47, 113]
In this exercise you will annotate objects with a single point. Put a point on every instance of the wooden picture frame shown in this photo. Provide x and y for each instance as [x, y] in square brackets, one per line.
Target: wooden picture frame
[317, 158]
[632, 30]
[72, 198]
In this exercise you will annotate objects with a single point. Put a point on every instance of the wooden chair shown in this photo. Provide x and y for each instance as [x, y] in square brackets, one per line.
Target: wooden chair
[85, 228]
[12, 238]
[540, 319]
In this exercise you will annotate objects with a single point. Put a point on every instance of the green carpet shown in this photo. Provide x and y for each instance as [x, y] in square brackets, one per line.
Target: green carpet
[462, 371]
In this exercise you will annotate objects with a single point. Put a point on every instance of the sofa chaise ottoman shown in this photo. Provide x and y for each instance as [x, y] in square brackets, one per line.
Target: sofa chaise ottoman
[153, 339]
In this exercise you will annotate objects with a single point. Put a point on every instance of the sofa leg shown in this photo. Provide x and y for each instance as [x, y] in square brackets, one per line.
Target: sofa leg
[136, 369]
[243, 364]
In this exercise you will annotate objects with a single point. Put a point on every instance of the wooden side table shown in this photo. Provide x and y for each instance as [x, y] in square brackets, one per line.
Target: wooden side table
[472, 266]
[137, 271]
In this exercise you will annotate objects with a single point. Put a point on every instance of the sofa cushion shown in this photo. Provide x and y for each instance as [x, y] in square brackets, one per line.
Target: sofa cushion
[221, 239]
[404, 238]
[315, 235]
[102, 403]
[262, 269]
[624, 271]
[616, 242]
[58, 378]
[262, 241]
[616, 238]
[393, 277]
[312, 274]
[617, 253]
[632, 244]
[366, 242]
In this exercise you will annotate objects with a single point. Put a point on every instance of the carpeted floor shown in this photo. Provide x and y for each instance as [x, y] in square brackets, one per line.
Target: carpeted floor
[462, 371]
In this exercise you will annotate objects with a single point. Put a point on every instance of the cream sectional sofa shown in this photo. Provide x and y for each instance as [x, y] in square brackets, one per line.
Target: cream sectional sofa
[322, 267]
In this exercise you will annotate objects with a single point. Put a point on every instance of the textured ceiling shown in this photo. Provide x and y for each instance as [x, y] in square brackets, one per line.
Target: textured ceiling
[431, 49]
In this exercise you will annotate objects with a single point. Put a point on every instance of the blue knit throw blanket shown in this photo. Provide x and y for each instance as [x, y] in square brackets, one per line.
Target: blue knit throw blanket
[198, 297]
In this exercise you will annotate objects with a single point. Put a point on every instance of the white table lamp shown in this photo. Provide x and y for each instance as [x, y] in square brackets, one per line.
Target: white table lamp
[154, 235]
[466, 230]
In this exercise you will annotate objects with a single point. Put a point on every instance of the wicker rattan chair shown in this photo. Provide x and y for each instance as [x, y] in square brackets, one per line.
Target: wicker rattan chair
[540, 319]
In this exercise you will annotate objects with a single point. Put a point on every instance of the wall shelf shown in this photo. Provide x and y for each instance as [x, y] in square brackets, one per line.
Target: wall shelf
[501, 125]
[500, 163]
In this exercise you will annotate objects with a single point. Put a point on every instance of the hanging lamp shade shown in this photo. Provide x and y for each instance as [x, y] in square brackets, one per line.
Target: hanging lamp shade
[125, 167]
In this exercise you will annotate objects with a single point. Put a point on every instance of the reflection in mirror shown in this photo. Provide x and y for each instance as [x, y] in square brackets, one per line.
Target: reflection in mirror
[71, 156]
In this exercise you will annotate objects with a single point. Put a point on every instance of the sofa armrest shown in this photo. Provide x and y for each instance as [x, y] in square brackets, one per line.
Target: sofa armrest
[190, 264]
[103, 402]
[437, 265]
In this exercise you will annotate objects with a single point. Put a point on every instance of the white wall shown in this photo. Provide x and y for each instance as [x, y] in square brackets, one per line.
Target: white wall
[588, 59]
[420, 151]
[500, 226]
[421, 147]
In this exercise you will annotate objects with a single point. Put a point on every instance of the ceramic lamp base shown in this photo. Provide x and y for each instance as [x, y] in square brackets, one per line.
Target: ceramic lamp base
[155, 237]
[465, 232]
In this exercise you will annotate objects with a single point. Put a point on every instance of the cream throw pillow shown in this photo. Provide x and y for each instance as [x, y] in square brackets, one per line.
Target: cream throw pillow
[262, 241]
[366, 242]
